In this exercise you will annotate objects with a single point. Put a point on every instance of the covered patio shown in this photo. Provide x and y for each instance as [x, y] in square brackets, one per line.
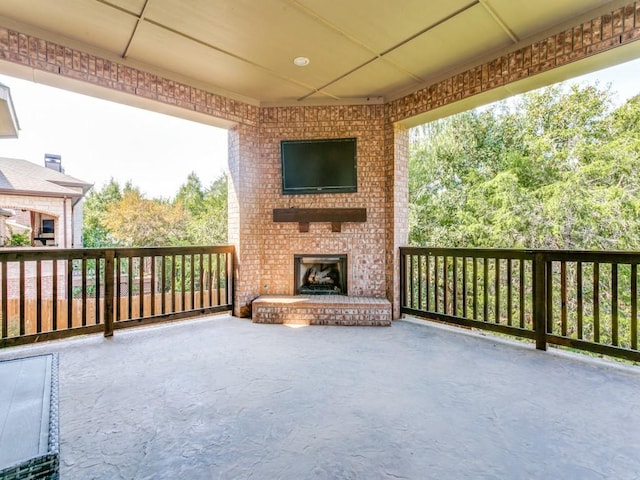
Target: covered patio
[221, 397]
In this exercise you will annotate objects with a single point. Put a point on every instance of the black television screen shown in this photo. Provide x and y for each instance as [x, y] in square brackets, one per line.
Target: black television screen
[319, 166]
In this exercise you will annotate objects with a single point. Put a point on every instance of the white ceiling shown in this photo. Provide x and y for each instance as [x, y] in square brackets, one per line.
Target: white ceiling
[245, 48]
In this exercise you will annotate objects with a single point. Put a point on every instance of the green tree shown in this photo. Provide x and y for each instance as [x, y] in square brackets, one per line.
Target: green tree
[191, 195]
[135, 221]
[554, 168]
[207, 208]
[94, 232]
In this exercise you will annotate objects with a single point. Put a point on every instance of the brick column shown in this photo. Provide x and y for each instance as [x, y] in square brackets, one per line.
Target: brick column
[397, 156]
[245, 222]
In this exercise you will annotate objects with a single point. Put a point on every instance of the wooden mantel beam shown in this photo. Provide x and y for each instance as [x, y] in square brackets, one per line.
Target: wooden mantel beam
[304, 216]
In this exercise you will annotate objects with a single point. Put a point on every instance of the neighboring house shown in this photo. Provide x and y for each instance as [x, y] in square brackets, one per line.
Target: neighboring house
[45, 202]
[4, 215]
[8, 120]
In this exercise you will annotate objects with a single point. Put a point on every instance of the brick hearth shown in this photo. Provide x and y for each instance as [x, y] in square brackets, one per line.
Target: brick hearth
[322, 310]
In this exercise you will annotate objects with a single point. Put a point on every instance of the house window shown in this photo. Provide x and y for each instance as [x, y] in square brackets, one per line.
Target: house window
[47, 226]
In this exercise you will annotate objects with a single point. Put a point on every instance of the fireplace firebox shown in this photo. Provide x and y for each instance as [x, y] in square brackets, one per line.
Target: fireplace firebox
[320, 274]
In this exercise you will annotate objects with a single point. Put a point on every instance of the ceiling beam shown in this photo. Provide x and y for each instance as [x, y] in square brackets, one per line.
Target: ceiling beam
[139, 20]
[383, 54]
[143, 18]
[499, 21]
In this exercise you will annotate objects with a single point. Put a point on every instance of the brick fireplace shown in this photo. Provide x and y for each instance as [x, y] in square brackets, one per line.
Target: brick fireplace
[320, 274]
[362, 242]
[269, 228]
[362, 235]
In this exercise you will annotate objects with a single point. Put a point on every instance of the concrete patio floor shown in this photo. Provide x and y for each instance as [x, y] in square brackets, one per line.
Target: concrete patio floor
[223, 398]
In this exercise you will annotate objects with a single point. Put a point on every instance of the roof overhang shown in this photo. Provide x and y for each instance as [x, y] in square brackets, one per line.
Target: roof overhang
[360, 52]
[8, 120]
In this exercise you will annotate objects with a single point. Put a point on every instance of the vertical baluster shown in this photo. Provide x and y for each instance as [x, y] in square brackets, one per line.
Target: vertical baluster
[523, 296]
[614, 304]
[549, 296]
[111, 275]
[130, 287]
[118, 263]
[436, 282]
[193, 282]
[141, 262]
[464, 286]
[163, 280]
[454, 291]
[217, 280]
[38, 296]
[22, 295]
[563, 297]
[428, 286]
[173, 283]
[201, 278]
[419, 282]
[509, 292]
[5, 309]
[183, 277]
[210, 259]
[54, 296]
[228, 280]
[485, 289]
[403, 280]
[596, 302]
[497, 290]
[445, 284]
[83, 272]
[634, 306]
[474, 272]
[97, 290]
[152, 286]
[411, 286]
[579, 300]
[69, 292]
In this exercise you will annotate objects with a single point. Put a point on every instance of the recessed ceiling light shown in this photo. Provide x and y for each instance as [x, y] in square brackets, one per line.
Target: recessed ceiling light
[301, 61]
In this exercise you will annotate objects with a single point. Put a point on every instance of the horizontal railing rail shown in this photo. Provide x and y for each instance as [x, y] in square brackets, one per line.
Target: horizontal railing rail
[54, 293]
[584, 300]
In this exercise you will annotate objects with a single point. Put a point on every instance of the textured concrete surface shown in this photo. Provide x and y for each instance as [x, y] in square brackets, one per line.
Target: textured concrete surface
[222, 398]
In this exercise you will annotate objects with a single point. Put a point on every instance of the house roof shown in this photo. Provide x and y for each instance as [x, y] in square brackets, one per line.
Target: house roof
[8, 120]
[359, 50]
[26, 178]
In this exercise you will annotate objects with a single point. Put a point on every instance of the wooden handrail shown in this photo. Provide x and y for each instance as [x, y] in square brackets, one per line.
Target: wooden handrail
[586, 300]
[53, 293]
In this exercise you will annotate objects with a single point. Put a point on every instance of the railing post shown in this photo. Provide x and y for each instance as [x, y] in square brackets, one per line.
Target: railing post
[403, 279]
[540, 300]
[109, 297]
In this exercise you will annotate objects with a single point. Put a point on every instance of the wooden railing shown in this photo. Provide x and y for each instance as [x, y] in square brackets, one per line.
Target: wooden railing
[579, 299]
[54, 293]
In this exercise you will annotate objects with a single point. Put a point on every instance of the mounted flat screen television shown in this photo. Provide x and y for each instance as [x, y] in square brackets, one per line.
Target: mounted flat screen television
[319, 166]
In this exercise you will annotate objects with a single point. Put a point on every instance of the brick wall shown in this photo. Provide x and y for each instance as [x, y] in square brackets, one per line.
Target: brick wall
[31, 51]
[614, 29]
[397, 205]
[244, 214]
[364, 243]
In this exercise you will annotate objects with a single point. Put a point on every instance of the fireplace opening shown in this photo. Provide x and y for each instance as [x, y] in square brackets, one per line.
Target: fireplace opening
[320, 274]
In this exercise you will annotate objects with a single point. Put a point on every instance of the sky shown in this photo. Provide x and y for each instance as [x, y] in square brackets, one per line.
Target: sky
[99, 140]
[624, 79]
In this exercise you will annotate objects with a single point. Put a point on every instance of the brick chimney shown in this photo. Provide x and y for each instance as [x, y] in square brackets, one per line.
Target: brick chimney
[54, 162]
